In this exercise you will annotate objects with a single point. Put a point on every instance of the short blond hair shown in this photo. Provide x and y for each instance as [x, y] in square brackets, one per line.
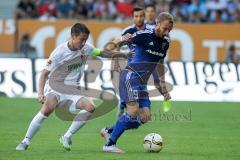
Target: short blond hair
[164, 16]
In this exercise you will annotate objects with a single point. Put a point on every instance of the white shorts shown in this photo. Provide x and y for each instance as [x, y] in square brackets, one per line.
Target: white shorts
[63, 97]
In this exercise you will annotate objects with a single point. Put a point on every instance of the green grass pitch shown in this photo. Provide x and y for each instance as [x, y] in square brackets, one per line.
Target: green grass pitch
[191, 130]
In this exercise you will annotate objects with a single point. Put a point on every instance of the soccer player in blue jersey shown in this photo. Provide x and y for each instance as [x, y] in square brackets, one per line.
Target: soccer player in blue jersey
[150, 14]
[151, 48]
[138, 24]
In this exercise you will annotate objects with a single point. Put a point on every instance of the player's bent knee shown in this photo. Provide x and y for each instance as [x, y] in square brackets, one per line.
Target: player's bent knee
[49, 105]
[132, 112]
[47, 109]
[133, 108]
[90, 108]
[85, 104]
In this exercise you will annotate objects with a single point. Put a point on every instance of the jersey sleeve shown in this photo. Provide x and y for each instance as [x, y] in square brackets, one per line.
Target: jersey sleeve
[89, 49]
[126, 30]
[140, 37]
[53, 60]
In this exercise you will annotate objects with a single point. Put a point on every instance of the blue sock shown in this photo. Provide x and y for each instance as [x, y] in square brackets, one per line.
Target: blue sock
[110, 129]
[125, 122]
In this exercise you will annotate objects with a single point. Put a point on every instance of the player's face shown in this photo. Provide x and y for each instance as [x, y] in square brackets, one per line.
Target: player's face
[138, 18]
[163, 28]
[150, 14]
[79, 41]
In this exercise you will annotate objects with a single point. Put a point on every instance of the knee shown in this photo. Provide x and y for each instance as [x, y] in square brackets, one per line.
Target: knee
[89, 107]
[86, 105]
[47, 109]
[133, 112]
[133, 108]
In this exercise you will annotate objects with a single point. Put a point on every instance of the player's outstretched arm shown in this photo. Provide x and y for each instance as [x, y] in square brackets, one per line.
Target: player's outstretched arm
[42, 80]
[111, 50]
[162, 87]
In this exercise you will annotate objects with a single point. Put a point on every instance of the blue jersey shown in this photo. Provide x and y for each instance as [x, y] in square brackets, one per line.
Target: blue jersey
[132, 30]
[149, 50]
[150, 25]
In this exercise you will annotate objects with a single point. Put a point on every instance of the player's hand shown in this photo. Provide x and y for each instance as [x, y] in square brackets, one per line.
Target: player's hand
[126, 37]
[167, 96]
[41, 98]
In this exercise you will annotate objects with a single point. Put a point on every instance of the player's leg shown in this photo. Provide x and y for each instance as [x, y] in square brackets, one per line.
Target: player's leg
[47, 108]
[87, 108]
[144, 111]
[107, 131]
[145, 114]
[122, 106]
[129, 120]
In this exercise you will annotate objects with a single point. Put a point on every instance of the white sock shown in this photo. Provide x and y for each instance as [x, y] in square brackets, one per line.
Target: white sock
[34, 127]
[78, 122]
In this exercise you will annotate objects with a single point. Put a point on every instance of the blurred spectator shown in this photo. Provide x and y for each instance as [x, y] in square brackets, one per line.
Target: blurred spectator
[47, 10]
[162, 6]
[125, 7]
[177, 14]
[232, 55]
[64, 9]
[233, 8]
[26, 48]
[104, 9]
[197, 11]
[26, 9]
[150, 14]
[216, 10]
[47, 6]
[80, 9]
[186, 11]
[47, 16]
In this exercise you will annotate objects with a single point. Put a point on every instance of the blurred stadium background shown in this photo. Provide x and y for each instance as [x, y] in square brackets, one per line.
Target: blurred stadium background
[203, 66]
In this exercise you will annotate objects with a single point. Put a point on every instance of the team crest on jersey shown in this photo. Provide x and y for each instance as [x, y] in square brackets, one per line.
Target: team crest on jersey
[151, 44]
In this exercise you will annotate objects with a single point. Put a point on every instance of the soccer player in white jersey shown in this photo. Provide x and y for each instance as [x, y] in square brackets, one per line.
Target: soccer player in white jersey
[76, 46]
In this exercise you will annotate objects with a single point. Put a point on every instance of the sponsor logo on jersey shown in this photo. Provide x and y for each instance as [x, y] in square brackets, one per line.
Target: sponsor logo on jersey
[74, 66]
[155, 53]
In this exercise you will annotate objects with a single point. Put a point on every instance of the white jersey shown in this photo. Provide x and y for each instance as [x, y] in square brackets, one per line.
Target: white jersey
[61, 55]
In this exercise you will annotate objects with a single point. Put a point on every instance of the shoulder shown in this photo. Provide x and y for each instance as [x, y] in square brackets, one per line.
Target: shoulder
[59, 51]
[146, 31]
[60, 48]
[88, 45]
[150, 26]
[87, 48]
[128, 29]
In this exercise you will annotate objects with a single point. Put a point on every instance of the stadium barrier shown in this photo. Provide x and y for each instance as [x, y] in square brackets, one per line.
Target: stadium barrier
[191, 81]
[190, 42]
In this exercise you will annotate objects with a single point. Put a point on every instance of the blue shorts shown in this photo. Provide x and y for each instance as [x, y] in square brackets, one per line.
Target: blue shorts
[132, 89]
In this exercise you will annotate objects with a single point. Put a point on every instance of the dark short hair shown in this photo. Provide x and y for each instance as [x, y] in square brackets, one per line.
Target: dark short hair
[136, 9]
[151, 6]
[79, 28]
